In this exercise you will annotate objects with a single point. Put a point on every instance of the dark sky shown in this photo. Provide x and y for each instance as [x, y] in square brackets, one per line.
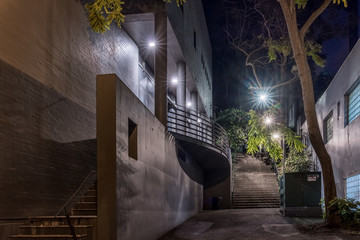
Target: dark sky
[229, 86]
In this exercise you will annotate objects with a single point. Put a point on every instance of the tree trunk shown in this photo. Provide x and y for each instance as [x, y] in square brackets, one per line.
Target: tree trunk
[316, 140]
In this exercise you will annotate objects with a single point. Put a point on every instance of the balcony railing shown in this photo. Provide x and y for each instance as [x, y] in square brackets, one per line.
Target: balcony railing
[198, 126]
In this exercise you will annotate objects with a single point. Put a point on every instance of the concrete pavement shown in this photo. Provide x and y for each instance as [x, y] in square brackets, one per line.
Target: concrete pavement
[246, 224]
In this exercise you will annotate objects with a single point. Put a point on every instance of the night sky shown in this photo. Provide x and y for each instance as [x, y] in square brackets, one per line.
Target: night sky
[230, 75]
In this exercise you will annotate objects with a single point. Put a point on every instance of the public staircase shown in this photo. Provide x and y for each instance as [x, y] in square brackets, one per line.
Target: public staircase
[255, 184]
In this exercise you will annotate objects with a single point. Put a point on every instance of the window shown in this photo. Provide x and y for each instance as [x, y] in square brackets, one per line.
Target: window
[338, 110]
[353, 187]
[132, 139]
[195, 40]
[328, 127]
[352, 103]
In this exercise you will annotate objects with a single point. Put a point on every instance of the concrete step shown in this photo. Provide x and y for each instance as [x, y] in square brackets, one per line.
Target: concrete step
[91, 193]
[85, 205]
[47, 237]
[61, 220]
[240, 194]
[84, 212]
[55, 230]
[255, 206]
[89, 199]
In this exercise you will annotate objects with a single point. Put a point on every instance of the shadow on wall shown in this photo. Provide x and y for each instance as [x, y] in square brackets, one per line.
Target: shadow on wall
[47, 146]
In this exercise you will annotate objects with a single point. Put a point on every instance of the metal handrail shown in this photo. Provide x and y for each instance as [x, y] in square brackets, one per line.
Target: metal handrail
[84, 186]
[187, 122]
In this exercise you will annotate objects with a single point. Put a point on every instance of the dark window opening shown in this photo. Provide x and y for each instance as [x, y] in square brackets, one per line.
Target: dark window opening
[338, 110]
[328, 127]
[132, 140]
[195, 40]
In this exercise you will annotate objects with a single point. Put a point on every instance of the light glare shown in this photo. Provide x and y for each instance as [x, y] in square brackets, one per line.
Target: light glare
[152, 44]
[174, 80]
[268, 121]
[276, 135]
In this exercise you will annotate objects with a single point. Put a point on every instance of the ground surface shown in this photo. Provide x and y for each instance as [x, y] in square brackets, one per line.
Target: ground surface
[246, 224]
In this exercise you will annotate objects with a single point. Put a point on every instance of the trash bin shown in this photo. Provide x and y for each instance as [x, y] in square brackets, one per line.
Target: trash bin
[215, 203]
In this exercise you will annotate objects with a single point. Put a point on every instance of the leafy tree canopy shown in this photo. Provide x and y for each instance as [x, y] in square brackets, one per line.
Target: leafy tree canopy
[267, 136]
[101, 13]
[235, 122]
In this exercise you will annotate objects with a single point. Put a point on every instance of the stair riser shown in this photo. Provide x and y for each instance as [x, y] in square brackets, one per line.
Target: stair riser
[47, 238]
[91, 193]
[89, 199]
[84, 212]
[85, 205]
[63, 221]
[38, 230]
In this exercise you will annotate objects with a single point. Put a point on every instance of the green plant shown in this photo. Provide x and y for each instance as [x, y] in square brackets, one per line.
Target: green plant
[261, 136]
[348, 209]
[298, 161]
[234, 121]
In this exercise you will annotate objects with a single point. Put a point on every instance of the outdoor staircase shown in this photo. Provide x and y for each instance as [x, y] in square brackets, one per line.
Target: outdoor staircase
[83, 218]
[255, 184]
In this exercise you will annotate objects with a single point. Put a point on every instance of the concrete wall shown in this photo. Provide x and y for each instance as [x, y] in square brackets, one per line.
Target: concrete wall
[139, 198]
[49, 59]
[344, 147]
[185, 21]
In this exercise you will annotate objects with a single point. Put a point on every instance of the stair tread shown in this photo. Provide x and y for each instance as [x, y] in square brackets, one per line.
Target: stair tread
[50, 235]
[55, 226]
[60, 217]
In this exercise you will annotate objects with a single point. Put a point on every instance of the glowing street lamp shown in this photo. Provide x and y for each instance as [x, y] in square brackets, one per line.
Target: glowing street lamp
[268, 120]
[276, 136]
[263, 97]
[188, 104]
[152, 44]
[174, 80]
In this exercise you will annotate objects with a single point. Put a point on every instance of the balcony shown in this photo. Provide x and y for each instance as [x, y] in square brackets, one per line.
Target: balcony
[205, 140]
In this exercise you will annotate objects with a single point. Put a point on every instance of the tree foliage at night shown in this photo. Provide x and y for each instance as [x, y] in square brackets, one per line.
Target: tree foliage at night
[261, 136]
[101, 13]
[235, 123]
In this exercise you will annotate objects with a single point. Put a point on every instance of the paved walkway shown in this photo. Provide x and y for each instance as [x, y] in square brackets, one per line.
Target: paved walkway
[246, 224]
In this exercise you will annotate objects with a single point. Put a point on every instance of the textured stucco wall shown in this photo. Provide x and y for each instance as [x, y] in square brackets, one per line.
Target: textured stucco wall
[49, 59]
[185, 22]
[47, 146]
[51, 42]
[144, 198]
[344, 147]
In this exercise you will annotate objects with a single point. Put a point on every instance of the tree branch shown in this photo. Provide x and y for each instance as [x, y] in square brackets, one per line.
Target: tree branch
[277, 85]
[312, 18]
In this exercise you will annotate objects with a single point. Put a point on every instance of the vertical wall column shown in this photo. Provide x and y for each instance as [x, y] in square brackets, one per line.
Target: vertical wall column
[161, 67]
[181, 96]
[181, 86]
[106, 129]
[194, 101]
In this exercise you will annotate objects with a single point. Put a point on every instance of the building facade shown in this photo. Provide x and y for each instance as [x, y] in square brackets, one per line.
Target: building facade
[338, 116]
